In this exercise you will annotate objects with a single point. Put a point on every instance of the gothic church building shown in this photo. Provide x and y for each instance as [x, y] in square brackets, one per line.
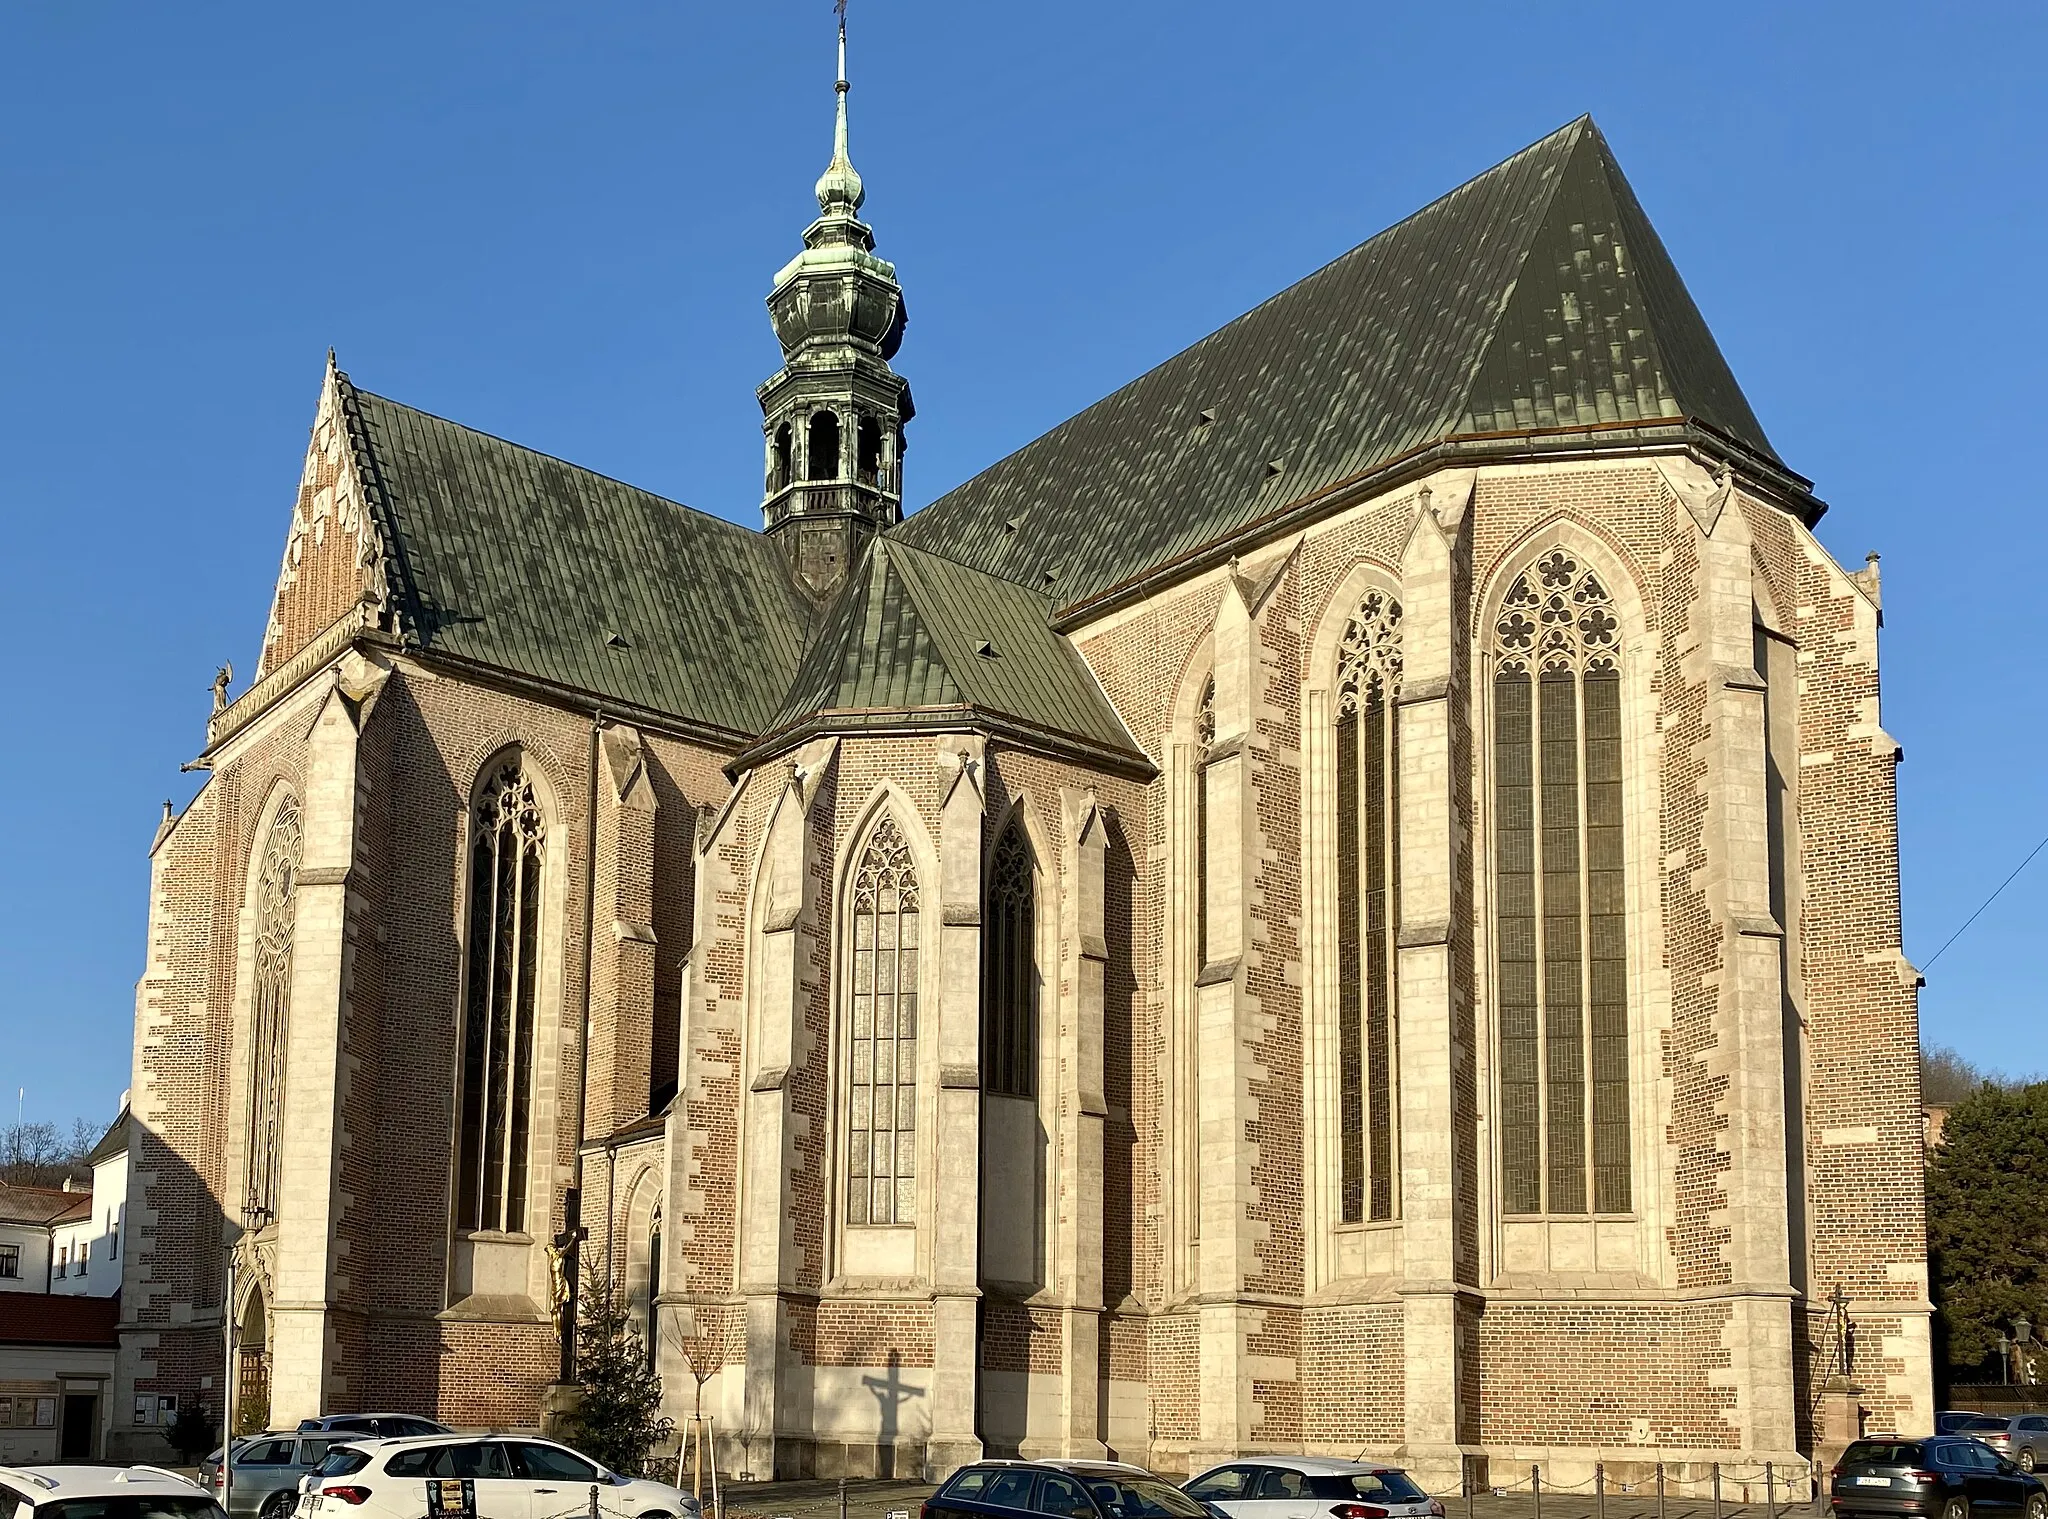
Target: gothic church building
[1345, 898]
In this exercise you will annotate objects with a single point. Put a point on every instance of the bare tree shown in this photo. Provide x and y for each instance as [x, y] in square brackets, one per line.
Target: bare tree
[42, 1155]
[1946, 1077]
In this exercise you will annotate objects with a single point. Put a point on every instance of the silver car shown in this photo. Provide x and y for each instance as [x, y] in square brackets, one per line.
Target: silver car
[2028, 1439]
[1311, 1487]
[267, 1470]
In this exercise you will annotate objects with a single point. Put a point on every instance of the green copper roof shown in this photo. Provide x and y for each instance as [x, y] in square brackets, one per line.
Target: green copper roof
[523, 563]
[1536, 297]
[913, 633]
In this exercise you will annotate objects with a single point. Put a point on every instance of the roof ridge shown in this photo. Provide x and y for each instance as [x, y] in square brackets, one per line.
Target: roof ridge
[1537, 223]
[897, 546]
[540, 453]
[1246, 315]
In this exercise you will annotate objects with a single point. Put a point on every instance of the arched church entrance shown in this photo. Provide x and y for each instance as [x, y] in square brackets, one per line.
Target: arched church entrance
[252, 1364]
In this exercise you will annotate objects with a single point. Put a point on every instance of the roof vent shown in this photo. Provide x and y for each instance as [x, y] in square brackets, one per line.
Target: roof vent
[1274, 466]
[987, 650]
[1010, 525]
[1207, 417]
[616, 640]
[1052, 573]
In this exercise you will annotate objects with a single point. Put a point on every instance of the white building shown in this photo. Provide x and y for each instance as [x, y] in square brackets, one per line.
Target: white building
[86, 1240]
[60, 1264]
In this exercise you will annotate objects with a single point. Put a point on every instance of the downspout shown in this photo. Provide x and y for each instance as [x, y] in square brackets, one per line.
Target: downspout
[573, 1204]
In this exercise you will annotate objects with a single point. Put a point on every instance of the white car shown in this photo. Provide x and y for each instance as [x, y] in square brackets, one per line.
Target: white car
[102, 1492]
[1311, 1487]
[512, 1477]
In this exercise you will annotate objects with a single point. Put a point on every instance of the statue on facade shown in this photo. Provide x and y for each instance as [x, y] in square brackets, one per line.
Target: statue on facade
[222, 679]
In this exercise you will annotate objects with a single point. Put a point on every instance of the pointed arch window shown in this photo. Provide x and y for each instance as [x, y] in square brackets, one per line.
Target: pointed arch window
[506, 855]
[1009, 970]
[653, 1338]
[1205, 741]
[881, 1171]
[270, 1005]
[1368, 904]
[1561, 916]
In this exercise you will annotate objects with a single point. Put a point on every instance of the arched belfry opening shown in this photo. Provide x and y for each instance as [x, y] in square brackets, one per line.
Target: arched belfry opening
[781, 463]
[835, 402]
[867, 468]
[823, 453]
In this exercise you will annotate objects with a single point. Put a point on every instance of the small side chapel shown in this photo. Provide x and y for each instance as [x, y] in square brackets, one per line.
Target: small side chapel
[1345, 898]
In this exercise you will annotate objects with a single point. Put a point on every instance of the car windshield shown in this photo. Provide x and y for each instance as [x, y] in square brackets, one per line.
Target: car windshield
[1882, 1453]
[1387, 1487]
[1145, 1498]
[143, 1506]
[1980, 1425]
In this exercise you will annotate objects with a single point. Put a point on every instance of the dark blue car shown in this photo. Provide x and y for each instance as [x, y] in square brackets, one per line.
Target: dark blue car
[1062, 1490]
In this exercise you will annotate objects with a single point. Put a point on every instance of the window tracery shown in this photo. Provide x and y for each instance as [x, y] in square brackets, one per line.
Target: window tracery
[1009, 995]
[270, 1004]
[1368, 900]
[507, 854]
[1205, 740]
[1560, 914]
[881, 1172]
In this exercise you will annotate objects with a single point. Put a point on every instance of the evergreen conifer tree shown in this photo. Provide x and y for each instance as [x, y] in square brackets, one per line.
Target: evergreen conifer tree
[1987, 1222]
[620, 1420]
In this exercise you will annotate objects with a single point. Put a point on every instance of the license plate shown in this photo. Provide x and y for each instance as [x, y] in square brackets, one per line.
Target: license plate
[1873, 1482]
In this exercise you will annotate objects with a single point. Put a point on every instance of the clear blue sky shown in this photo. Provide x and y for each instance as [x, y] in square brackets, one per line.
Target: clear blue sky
[557, 223]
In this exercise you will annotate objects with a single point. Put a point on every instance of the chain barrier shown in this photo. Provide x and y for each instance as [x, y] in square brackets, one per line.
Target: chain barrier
[1780, 1484]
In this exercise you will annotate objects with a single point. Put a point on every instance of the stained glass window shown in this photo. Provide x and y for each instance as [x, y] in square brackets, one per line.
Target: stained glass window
[1560, 917]
[270, 1005]
[1368, 904]
[1205, 739]
[881, 1170]
[1009, 971]
[506, 856]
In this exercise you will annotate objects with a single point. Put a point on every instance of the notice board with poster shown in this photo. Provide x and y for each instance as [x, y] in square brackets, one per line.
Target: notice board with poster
[451, 1498]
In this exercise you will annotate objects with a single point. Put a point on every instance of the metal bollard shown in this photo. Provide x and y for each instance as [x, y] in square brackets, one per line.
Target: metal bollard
[1717, 1490]
[593, 1503]
[1465, 1480]
[1660, 1490]
[1770, 1490]
[842, 1498]
[1599, 1490]
[1536, 1487]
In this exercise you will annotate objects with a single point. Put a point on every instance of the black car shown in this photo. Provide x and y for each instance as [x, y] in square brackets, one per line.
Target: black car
[1941, 1478]
[1063, 1490]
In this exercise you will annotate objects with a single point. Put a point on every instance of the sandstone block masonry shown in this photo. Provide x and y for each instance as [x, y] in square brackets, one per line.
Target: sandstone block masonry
[1145, 1248]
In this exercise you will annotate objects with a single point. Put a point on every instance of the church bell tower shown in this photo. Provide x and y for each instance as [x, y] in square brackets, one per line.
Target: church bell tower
[834, 412]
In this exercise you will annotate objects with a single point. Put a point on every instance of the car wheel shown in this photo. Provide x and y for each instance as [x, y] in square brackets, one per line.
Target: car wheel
[1956, 1508]
[2037, 1506]
[278, 1505]
[2027, 1459]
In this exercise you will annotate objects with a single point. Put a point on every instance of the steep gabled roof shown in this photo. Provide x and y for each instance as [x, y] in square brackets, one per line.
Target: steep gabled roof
[1534, 298]
[913, 636]
[113, 1142]
[517, 561]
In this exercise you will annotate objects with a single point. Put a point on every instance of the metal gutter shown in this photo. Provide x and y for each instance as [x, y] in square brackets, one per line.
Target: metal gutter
[1777, 484]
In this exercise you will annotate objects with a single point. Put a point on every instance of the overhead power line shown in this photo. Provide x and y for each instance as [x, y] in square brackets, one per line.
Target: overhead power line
[1973, 917]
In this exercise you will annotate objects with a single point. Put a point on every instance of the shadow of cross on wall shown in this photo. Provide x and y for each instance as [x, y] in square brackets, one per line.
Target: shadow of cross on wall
[891, 1392]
